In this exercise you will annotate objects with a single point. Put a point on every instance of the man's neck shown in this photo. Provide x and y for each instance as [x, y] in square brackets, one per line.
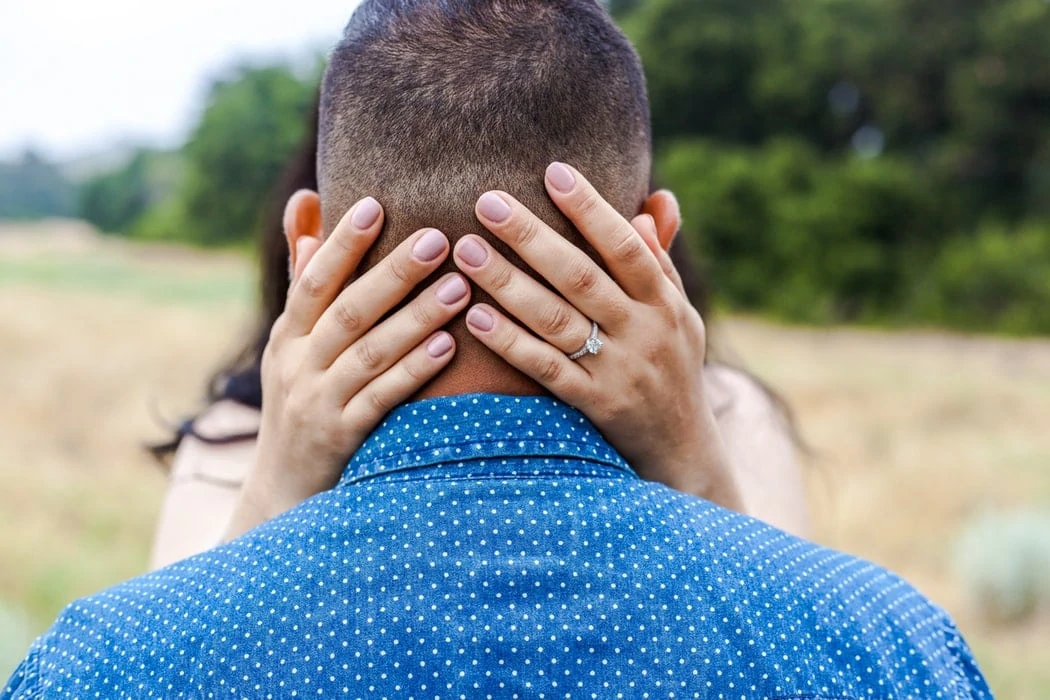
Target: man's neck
[476, 370]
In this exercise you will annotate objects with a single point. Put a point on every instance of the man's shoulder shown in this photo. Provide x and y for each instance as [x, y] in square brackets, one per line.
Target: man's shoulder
[819, 604]
[149, 633]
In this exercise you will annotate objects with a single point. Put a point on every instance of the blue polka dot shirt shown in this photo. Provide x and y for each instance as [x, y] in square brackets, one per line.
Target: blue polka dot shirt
[497, 547]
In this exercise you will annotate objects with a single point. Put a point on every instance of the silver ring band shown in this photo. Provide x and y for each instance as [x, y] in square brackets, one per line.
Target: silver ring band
[593, 346]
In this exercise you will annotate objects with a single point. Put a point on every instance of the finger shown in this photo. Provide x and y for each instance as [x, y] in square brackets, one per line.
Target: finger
[542, 362]
[548, 315]
[333, 263]
[578, 278]
[306, 247]
[383, 346]
[376, 292]
[625, 254]
[399, 383]
[645, 225]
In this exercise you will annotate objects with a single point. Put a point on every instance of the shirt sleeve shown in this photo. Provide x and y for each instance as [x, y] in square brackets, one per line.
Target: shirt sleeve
[972, 681]
[24, 684]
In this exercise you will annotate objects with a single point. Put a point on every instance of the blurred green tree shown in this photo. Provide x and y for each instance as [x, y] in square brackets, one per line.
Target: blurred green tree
[253, 121]
[33, 188]
[113, 201]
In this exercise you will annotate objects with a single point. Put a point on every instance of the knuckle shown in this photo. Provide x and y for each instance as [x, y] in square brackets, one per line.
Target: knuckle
[613, 411]
[500, 277]
[346, 317]
[506, 343]
[343, 240]
[311, 286]
[582, 278]
[286, 376]
[555, 320]
[380, 403]
[277, 330]
[681, 315]
[549, 370]
[588, 202]
[527, 230]
[630, 248]
[296, 412]
[416, 372]
[368, 357]
[618, 315]
[422, 314]
[399, 273]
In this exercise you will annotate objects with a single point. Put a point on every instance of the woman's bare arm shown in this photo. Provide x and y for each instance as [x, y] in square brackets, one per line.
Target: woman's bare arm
[205, 484]
[760, 450]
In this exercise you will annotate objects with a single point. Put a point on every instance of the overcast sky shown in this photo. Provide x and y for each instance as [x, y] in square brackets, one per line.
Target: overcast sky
[78, 75]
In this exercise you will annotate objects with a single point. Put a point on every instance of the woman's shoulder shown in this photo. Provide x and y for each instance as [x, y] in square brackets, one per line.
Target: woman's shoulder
[760, 441]
[219, 445]
[735, 394]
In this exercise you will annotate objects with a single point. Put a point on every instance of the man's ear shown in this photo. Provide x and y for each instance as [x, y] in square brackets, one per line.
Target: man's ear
[303, 228]
[663, 207]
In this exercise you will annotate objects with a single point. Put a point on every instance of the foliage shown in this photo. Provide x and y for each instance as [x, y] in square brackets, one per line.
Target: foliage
[835, 157]
[837, 160]
[1003, 562]
[998, 278]
[33, 188]
[115, 201]
[807, 237]
[213, 190]
[253, 122]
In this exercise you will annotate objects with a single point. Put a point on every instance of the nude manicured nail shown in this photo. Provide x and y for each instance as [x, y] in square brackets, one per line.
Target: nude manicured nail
[439, 346]
[365, 214]
[561, 178]
[481, 319]
[493, 207]
[452, 291]
[473, 253]
[430, 246]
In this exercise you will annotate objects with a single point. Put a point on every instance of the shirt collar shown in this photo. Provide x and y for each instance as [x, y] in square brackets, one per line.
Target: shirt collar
[497, 429]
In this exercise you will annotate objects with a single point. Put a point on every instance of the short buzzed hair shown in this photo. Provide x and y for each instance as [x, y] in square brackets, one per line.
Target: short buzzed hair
[426, 104]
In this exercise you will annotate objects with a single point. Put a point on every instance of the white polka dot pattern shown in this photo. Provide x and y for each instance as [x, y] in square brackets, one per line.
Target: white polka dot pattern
[498, 547]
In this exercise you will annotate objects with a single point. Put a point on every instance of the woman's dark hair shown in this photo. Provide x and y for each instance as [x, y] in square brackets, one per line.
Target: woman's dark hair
[240, 380]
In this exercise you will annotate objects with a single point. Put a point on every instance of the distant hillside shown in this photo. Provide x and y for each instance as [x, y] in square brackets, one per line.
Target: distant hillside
[33, 188]
[109, 187]
[91, 165]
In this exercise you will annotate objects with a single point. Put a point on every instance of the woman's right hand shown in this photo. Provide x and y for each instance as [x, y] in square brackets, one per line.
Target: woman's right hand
[331, 370]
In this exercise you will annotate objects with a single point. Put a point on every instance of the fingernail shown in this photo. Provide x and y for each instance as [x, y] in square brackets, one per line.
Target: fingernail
[452, 291]
[365, 214]
[473, 253]
[480, 319]
[439, 346]
[430, 246]
[561, 178]
[493, 207]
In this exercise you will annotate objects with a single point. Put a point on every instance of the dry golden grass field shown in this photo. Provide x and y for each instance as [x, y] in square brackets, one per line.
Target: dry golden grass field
[914, 434]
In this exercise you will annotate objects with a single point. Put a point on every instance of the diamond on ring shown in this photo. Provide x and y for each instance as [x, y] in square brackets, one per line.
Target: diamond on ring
[593, 345]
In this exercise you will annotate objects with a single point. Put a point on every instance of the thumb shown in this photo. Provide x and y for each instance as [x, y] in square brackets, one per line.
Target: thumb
[645, 225]
[305, 248]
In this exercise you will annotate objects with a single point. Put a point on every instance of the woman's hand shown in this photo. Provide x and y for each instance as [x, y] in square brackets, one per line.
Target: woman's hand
[644, 390]
[331, 370]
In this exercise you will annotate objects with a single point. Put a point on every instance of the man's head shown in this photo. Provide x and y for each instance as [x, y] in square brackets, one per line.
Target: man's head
[426, 104]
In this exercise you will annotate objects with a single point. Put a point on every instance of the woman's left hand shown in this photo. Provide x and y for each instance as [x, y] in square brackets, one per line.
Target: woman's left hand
[645, 388]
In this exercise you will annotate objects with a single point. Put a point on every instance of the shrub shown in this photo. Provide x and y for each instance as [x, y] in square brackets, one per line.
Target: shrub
[998, 278]
[15, 638]
[1003, 563]
[808, 237]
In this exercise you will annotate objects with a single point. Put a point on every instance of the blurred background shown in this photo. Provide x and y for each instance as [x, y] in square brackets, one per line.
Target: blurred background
[867, 184]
